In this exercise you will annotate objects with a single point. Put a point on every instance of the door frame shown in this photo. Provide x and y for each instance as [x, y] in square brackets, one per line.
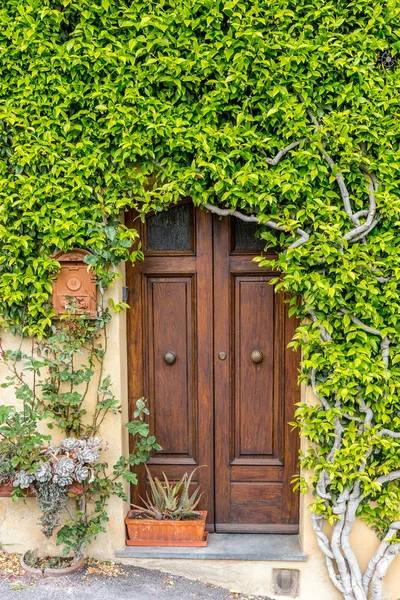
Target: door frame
[137, 362]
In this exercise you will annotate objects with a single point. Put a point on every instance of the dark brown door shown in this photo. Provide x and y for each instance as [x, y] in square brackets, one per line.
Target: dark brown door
[200, 307]
[170, 294]
[255, 390]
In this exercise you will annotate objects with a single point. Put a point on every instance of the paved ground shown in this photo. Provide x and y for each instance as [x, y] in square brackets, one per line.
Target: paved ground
[133, 584]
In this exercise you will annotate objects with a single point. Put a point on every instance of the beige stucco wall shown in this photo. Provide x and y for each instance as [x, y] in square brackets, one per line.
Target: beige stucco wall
[19, 531]
[18, 521]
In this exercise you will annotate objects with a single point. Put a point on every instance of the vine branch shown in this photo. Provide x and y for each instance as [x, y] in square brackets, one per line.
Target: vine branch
[225, 212]
[274, 161]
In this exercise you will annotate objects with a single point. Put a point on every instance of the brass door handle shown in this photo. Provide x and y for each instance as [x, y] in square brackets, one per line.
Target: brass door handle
[256, 356]
[170, 357]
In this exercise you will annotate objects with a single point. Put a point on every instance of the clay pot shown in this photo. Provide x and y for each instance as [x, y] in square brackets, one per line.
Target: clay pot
[7, 488]
[76, 566]
[164, 533]
[75, 488]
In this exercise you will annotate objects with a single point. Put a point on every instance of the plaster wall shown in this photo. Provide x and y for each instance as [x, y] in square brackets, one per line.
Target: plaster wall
[19, 530]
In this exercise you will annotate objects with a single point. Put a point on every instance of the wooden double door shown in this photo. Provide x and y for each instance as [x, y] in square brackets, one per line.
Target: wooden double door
[206, 344]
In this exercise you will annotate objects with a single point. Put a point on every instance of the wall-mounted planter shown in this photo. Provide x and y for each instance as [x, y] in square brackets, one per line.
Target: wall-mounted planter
[6, 490]
[149, 532]
[75, 488]
[75, 282]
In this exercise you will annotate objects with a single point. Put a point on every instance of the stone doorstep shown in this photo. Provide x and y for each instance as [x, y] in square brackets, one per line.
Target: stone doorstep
[228, 546]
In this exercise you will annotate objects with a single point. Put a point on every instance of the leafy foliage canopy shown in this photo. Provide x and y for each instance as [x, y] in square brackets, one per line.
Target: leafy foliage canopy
[95, 94]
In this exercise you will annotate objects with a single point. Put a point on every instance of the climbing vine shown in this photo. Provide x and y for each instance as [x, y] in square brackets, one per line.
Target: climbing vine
[280, 111]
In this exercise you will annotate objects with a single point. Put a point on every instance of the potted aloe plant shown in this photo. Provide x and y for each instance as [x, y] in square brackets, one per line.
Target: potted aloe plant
[168, 516]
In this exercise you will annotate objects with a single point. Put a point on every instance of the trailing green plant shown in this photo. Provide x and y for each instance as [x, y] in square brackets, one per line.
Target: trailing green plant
[90, 515]
[52, 500]
[20, 443]
[58, 373]
[52, 382]
[170, 501]
[6, 469]
[280, 112]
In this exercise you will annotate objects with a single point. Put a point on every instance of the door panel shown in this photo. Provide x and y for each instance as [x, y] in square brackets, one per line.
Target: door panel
[170, 231]
[254, 458]
[256, 503]
[200, 295]
[253, 303]
[170, 294]
[169, 327]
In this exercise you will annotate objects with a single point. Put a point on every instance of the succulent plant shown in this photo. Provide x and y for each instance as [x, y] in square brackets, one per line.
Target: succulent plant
[61, 465]
[94, 442]
[81, 473]
[88, 455]
[43, 472]
[169, 501]
[64, 467]
[188, 503]
[69, 444]
[63, 471]
[63, 481]
[23, 479]
[51, 450]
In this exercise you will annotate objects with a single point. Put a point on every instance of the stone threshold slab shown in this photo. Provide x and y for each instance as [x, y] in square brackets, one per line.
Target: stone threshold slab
[228, 546]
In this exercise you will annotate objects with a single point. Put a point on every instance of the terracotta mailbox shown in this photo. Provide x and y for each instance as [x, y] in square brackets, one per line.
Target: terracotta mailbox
[74, 281]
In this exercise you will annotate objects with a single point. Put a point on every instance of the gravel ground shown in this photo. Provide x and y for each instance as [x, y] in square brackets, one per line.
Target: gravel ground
[133, 583]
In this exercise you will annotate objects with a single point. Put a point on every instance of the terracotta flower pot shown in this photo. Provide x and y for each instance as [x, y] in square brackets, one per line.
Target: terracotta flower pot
[75, 488]
[7, 488]
[76, 566]
[150, 532]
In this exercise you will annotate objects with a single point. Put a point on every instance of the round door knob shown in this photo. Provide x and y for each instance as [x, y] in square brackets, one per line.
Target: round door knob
[222, 355]
[170, 357]
[256, 356]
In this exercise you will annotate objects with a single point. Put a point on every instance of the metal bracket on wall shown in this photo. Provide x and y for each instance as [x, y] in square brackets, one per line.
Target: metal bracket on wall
[125, 294]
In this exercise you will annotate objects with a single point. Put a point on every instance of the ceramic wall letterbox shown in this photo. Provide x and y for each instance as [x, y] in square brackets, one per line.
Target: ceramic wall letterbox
[74, 281]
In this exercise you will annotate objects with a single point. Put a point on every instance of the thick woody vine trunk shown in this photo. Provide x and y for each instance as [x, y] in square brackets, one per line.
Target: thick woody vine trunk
[343, 567]
[381, 570]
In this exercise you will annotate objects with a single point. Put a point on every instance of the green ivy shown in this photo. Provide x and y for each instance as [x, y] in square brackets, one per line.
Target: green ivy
[96, 96]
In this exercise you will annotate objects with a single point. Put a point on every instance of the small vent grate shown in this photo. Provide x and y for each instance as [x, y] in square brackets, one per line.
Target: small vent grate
[286, 582]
